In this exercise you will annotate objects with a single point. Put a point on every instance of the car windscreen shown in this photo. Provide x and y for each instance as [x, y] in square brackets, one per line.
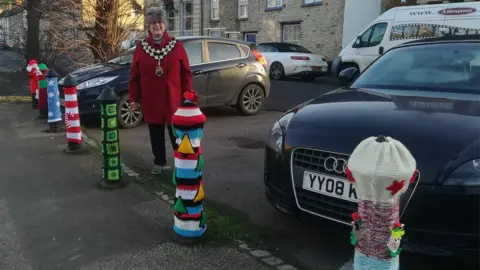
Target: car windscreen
[296, 48]
[124, 58]
[433, 67]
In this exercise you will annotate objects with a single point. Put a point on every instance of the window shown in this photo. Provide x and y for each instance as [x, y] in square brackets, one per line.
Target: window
[373, 36]
[222, 51]
[215, 33]
[291, 34]
[311, 2]
[447, 67]
[187, 19]
[266, 48]
[297, 48]
[171, 20]
[233, 36]
[194, 52]
[242, 9]
[251, 37]
[274, 3]
[215, 9]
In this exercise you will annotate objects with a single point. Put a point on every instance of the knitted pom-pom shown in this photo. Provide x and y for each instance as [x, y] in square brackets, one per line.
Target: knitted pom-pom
[190, 96]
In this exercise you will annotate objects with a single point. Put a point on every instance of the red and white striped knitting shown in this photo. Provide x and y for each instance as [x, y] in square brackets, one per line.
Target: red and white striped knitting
[72, 118]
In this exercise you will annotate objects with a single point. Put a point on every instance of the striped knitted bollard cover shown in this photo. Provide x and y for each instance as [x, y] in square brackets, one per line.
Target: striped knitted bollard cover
[189, 218]
[42, 91]
[382, 169]
[72, 118]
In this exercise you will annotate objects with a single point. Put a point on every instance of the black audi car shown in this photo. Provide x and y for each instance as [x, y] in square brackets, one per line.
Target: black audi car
[425, 94]
[225, 73]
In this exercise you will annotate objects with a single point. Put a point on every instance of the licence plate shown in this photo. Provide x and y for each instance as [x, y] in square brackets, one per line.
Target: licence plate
[329, 185]
[316, 68]
[62, 102]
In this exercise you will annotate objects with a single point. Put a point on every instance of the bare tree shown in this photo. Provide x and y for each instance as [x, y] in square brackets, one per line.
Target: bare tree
[97, 25]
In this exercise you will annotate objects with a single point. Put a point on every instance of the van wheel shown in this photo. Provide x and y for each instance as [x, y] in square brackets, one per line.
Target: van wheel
[276, 71]
[127, 116]
[250, 100]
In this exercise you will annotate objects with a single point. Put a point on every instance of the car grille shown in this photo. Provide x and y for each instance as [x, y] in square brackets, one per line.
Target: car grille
[333, 208]
[322, 205]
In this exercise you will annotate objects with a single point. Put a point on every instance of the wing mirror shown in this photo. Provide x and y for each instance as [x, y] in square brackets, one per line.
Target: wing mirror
[357, 43]
[348, 75]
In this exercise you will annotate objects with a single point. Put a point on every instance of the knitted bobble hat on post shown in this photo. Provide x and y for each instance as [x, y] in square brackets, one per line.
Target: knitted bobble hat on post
[382, 169]
[190, 221]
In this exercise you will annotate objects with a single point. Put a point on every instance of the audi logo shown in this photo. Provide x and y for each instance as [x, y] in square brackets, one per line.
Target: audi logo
[338, 165]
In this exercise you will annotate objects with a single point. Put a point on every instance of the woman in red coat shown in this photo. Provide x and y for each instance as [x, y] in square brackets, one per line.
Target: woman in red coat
[159, 76]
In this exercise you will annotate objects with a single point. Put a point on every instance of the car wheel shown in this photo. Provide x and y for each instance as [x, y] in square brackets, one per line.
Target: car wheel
[127, 116]
[250, 100]
[276, 71]
[308, 78]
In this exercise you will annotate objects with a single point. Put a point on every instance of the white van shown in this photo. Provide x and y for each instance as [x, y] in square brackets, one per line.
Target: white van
[403, 24]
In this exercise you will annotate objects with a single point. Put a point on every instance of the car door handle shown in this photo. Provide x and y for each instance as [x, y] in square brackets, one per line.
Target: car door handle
[197, 72]
[241, 65]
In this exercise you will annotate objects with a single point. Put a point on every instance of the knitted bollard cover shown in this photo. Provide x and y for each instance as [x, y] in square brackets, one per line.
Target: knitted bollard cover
[382, 169]
[189, 218]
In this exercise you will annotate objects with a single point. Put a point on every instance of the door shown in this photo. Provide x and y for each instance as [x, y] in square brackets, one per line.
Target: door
[371, 44]
[270, 53]
[227, 69]
[196, 59]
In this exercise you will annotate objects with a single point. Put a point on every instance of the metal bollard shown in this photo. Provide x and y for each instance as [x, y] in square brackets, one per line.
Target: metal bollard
[33, 73]
[111, 168]
[377, 231]
[72, 118]
[190, 221]
[53, 102]
[42, 92]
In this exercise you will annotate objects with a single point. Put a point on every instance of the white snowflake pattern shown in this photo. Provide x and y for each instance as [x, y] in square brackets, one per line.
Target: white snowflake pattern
[51, 94]
[51, 83]
[50, 114]
[58, 103]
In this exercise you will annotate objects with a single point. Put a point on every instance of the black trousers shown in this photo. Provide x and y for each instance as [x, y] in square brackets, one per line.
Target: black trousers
[157, 140]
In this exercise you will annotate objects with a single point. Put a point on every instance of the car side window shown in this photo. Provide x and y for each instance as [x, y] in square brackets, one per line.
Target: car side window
[194, 52]
[272, 49]
[374, 35]
[262, 48]
[222, 51]
[378, 34]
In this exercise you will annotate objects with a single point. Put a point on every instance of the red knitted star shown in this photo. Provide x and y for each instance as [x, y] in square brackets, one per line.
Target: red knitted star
[396, 186]
[349, 176]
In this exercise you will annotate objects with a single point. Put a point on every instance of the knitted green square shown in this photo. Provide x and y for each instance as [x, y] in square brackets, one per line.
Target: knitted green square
[112, 122]
[112, 148]
[112, 136]
[111, 109]
[114, 175]
[113, 162]
[42, 84]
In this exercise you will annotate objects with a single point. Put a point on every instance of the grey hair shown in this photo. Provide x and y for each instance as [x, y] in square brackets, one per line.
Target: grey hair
[156, 14]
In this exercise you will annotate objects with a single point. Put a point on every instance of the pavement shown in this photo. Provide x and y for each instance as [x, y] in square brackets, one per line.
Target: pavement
[53, 215]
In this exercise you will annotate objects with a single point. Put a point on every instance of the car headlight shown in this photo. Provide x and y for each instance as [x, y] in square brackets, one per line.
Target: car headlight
[276, 139]
[468, 174]
[95, 82]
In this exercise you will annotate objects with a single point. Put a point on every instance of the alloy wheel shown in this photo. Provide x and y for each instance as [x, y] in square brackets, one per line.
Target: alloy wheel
[252, 99]
[129, 115]
[276, 71]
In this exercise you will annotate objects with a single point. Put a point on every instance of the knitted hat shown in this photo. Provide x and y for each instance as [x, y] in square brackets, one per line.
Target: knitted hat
[155, 14]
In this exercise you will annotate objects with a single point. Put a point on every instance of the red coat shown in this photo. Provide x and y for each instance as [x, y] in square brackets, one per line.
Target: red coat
[159, 96]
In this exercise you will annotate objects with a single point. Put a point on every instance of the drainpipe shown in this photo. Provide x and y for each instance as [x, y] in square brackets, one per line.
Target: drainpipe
[201, 17]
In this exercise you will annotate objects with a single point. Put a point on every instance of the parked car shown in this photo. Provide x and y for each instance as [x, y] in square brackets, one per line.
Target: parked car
[226, 73]
[425, 94]
[291, 60]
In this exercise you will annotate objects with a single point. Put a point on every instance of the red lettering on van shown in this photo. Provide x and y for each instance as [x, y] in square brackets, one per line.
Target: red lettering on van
[457, 11]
